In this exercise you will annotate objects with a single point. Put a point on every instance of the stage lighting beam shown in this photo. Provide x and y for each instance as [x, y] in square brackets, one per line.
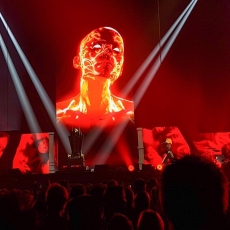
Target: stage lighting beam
[50, 108]
[131, 83]
[112, 139]
[156, 65]
[26, 106]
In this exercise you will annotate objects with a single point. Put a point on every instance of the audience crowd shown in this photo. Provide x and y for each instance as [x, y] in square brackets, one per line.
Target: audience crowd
[192, 194]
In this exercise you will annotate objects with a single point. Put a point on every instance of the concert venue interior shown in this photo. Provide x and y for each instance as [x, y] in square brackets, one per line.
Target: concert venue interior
[175, 73]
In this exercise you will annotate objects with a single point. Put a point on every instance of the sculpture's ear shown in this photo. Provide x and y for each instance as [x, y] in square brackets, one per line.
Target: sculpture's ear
[76, 62]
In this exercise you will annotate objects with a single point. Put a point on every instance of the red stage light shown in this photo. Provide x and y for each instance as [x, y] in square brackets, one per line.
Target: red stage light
[159, 167]
[131, 168]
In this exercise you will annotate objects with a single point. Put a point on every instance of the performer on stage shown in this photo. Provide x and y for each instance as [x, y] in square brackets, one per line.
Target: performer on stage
[164, 145]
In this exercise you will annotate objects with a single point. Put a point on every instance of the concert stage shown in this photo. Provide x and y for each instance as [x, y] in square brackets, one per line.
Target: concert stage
[13, 179]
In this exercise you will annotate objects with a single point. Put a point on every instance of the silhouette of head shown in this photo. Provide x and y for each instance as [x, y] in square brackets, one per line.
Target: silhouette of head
[77, 190]
[56, 197]
[119, 221]
[141, 201]
[194, 193]
[139, 185]
[85, 213]
[150, 219]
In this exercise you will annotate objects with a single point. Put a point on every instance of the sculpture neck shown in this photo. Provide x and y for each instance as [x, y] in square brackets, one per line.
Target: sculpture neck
[96, 95]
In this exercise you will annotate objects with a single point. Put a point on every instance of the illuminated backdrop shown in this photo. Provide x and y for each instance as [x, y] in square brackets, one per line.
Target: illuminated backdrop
[190, 88]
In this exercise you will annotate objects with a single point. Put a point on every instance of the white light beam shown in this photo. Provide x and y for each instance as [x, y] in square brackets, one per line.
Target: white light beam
[50, 108]
[26, 106]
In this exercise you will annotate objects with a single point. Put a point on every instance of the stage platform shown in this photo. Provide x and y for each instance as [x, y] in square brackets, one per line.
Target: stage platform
[13, 179]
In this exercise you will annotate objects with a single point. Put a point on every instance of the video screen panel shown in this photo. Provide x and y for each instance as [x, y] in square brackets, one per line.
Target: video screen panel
[29, 153]
[160, 141]
[213, 146]
[155, 144]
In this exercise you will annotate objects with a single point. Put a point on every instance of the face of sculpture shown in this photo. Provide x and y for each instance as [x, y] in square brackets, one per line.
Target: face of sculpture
[101, 54]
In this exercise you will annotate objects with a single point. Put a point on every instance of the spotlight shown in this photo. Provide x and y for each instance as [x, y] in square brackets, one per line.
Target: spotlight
[131, 168]
[159, 167]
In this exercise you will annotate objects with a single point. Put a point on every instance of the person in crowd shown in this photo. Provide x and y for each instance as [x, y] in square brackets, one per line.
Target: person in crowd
[112, 182]
[10, 213]
[194, 194]
[149, 220]
[85, 213]
[139, 185]
[77, 190]
[141, 203]
[40, 206]
[98, 191]
[114, 201]
[119, 221]
[150, 184]
[56, 198]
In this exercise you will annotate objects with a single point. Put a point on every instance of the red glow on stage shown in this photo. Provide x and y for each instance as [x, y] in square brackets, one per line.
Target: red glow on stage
[131, 168]
[125, 153]
[159, 167]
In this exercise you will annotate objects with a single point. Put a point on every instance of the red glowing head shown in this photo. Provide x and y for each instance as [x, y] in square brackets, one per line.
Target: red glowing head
[101, 54]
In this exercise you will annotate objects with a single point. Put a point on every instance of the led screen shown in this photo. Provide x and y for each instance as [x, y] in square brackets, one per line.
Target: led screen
[155, 145]
[160, 142]
[27, 152]
[213, 146]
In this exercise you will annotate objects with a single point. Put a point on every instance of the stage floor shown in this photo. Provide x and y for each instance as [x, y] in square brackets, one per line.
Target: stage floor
[15, 180]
